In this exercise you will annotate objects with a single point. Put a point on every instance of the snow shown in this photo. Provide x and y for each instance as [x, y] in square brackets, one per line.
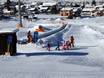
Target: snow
[6, 11]
[6, 30]
[31, 9]
[27, 49]
[66, 8]
[33, 61]
[88, 9]
[49, 4]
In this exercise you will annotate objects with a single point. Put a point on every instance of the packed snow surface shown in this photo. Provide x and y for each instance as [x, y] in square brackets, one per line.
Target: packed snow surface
[33, 61]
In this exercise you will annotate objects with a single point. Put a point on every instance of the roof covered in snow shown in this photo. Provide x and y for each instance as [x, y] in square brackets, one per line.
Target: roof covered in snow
[49, 4]
[88, 9]
[67, 8]
[8, 30]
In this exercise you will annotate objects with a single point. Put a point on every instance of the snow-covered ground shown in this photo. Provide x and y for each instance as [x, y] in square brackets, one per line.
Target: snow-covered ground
[34, 61]
[51, 0]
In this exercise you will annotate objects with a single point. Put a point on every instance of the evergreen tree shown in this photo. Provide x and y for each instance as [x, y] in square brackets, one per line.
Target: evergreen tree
[93, 3]
[7, 4]
[8, 1]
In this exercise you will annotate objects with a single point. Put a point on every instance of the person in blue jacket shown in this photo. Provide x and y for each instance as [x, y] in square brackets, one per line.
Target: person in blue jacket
[58, 46]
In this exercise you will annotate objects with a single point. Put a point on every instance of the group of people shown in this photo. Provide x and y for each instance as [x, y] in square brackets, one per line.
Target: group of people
[66, 45]
[69, 44]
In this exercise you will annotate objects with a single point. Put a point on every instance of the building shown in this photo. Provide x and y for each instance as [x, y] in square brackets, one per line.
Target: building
[66, 11]
[89, 11]
[100, 10]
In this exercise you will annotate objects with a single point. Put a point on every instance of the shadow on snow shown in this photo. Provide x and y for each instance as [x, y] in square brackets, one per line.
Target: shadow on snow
[54, 53]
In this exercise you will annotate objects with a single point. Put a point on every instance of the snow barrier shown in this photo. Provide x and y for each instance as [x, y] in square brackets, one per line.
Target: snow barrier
[22, 37]
[52, 31]
[55, 53]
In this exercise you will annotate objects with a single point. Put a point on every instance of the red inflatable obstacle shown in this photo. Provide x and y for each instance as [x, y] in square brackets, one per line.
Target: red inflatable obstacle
[40, 29]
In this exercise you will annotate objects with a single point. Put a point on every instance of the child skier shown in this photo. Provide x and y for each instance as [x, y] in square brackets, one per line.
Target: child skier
[29, 36]
[72, 40]
[48, 46]
[64, 45]
[68, 45]
[58, 46]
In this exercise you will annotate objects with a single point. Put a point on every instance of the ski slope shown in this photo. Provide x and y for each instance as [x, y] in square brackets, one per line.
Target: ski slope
[89, 39]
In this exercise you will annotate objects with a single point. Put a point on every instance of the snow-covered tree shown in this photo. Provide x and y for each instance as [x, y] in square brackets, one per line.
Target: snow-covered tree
[7, 4]
[93, 3]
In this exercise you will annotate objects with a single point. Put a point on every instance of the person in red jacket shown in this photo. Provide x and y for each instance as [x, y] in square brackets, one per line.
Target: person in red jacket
[68, 45]
[64, 45]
